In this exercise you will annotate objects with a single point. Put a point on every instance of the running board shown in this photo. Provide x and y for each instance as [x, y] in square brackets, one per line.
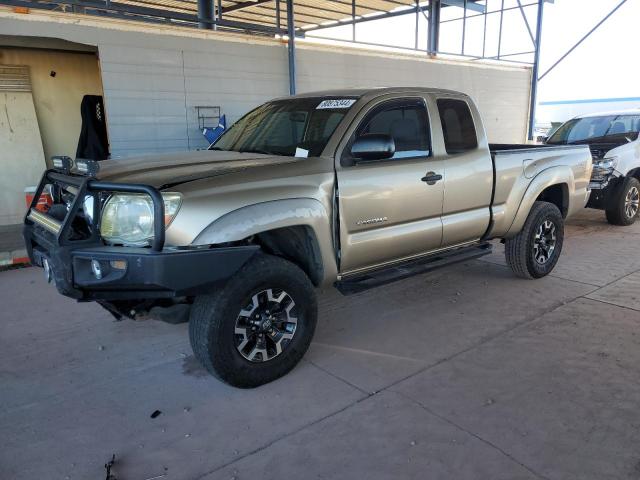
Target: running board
[365, 281]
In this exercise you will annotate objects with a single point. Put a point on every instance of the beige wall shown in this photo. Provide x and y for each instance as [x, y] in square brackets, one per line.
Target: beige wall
[57, 98]
[501, 93]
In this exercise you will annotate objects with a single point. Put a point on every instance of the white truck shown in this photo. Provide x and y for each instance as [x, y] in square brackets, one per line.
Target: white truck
[613, 140]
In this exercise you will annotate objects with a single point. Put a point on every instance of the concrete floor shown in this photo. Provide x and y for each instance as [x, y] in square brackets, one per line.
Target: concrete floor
[464, 373]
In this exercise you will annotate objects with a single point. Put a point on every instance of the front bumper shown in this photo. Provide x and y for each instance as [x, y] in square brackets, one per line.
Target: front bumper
[146, 274]
[87, 269]
[603, 191]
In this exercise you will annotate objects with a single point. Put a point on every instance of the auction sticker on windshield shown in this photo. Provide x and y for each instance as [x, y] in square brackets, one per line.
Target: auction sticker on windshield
[336, 103]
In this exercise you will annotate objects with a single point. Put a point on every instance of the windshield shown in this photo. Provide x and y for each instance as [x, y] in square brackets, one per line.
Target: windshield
[299, 127]
[608, 127]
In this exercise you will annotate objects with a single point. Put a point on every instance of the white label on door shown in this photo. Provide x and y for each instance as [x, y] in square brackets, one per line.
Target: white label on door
[301, 153]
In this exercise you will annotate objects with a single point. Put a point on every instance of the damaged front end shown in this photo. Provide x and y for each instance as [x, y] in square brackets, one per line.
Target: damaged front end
[154, 280]
[604, 177]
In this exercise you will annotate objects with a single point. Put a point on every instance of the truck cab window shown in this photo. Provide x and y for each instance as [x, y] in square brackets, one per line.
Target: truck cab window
[406, 123]
[457, 126]
[282, 126]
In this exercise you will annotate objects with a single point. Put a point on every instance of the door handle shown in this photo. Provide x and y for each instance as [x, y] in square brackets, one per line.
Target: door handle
[431, 178]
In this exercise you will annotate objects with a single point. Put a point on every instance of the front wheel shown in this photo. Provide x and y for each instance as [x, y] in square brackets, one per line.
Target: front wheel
[258, 326]
[624, 204]
[535, 250]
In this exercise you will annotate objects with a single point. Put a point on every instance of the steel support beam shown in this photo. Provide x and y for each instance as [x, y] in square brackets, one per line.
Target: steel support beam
[353, 20]
[500, 30]
[291, 47]
[205, 14]
[470, 4]
[583, 39]
[534, 73]
[243, 5]
[526, 22]
[127, 11]
[464, 25]
[417, 23]
[371, 18]
[434, 26]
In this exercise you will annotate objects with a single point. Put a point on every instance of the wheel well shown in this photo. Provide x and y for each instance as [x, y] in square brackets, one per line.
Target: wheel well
[298, 244]
[558, 195]
[634, 173]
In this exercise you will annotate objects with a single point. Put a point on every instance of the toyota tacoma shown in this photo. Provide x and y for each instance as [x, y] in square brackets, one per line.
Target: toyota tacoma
[349, 188]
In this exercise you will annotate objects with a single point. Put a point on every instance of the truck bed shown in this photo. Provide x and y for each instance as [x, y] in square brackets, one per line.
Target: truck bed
[506, 147]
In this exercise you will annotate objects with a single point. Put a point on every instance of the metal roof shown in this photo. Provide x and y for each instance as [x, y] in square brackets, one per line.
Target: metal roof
[273, 13]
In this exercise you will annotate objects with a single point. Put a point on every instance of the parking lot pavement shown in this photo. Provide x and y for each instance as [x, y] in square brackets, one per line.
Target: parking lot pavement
[463, 373]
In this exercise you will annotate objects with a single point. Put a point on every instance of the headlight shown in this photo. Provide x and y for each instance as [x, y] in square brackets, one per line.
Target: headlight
[606, 163]
[128, 219]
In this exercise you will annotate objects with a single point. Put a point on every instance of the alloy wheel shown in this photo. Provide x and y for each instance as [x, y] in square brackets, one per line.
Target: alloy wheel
[544, 242]
[631, 202]
[266, 325]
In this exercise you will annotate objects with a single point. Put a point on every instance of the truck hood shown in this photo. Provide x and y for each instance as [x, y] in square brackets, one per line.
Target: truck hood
[167, 170]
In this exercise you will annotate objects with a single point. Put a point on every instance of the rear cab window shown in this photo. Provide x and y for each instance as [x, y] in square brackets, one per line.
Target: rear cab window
[457, 125]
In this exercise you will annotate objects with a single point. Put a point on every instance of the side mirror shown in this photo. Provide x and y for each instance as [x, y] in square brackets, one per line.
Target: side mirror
[373, 146]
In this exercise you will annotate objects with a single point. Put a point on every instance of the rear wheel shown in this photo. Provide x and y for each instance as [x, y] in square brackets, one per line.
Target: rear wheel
[624, 203]
[534, 252]
[258, 326]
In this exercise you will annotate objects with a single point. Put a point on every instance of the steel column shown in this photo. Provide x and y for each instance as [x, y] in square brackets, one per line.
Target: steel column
[500, 32]
[534, 73]
[353, 20]
[291, 32]
[484, 32]
[434, 27]
[464, 25]
[417, 20]
[205, 12]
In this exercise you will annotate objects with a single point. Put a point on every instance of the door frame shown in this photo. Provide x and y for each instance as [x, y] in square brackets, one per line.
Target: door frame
[339, 166]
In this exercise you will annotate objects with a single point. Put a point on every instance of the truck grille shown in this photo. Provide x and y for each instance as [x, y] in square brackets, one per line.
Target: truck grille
[597, 153]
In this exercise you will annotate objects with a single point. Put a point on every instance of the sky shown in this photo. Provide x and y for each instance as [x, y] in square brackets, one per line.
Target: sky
[605, 65]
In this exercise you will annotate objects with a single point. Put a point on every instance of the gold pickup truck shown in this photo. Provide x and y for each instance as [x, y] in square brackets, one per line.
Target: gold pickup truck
[350, 188]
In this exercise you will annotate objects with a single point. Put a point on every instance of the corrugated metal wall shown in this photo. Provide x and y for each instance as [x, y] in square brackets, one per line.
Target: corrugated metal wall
[151, 93]
[154, 77]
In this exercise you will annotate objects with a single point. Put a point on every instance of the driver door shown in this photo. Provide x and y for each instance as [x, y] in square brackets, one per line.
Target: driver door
[389, 209]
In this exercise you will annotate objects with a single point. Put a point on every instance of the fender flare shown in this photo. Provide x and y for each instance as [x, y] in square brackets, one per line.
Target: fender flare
[560, 175]
[261, 217]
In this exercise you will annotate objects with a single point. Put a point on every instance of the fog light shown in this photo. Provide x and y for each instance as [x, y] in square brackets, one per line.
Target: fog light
[96, 269]
[118, 264]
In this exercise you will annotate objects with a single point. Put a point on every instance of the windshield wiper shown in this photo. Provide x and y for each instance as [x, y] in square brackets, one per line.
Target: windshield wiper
[257, 150]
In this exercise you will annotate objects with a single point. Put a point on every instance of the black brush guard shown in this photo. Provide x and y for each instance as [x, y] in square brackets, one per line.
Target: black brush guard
[90, 186]
[150, 273]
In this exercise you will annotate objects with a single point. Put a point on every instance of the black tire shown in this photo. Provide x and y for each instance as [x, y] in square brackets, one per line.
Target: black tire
[213, 319]
[617, 210]
[520, 250]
